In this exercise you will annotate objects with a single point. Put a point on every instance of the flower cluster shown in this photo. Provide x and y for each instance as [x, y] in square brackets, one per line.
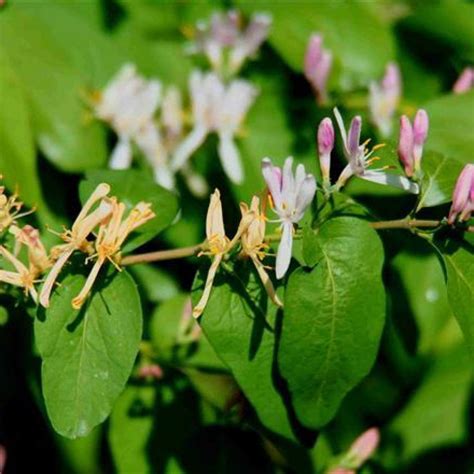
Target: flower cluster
[100, 213]
[226, 44]
[141, 113]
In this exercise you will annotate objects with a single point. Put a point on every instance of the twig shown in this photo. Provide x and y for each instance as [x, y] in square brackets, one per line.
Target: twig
[162, 255]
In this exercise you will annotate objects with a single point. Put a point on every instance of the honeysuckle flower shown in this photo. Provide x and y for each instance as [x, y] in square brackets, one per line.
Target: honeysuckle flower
[359, 452]
[172, 116]
[465, 81]
[111, 236]
[224, 43]
[23, 277]
[463, 196]
[291, 195]
[220, 109]
[411, 141]
[29, 237]
[360, 158]
[325, 147]
[128, 104]
[218, 244]
[10, 208]
[384, 98]
[317, 67]
[76, 237]
[254, 246]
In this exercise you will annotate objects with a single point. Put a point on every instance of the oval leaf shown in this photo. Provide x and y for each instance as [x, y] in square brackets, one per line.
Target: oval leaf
[88, 354]
[331, 328]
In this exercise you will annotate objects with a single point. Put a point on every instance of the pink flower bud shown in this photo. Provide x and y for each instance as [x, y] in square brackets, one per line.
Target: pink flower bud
[465, 81]
[325, 146]
[317, 66]
[420, 132]
[463, 195]
[405, 145]
[364, 446]
[152, 371]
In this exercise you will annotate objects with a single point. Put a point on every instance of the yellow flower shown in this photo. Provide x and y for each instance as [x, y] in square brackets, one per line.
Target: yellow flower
[10, 209]
[218, 245]
[76, 238]
[112, 234]
[253, 244]
[23, 277]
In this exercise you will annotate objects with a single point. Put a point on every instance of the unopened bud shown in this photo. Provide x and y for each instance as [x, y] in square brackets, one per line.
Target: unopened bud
[420, 132]
[465, 81]
[463, 195]
[317, 66]
[364, 446]
[405, 145]
[325, 146]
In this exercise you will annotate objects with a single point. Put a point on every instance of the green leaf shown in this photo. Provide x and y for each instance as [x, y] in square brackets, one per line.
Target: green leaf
[17, 150]
[437, 413]
[419, 290]
[459, 260]
[451, 120]
[237, 325]
[334, 315]
[440, 175]
[87, 354]
[131, 187]
[177, 338]
[360, 53]
[53, 86]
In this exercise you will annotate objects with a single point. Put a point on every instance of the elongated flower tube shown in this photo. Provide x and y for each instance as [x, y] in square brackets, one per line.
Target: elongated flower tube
[411, 141]
[218, 244]
[22, 277]
[465, 81]
[463, 196]
[384, 98]
[76, 238]
[325, 147]
[220, 109]
[360, 158]
[317, 67]
[29, 237]
[110, 239]
[291, 195]
[225, 44]
[254, 247]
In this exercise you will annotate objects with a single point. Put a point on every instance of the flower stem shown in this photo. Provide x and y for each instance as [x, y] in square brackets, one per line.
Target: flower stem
[405, 224]
[162, 255]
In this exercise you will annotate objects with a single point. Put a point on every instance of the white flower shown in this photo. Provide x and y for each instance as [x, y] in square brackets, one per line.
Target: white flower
[384, 98]
[220, 109]
[359, 158]
[128, 104]
[291, 196]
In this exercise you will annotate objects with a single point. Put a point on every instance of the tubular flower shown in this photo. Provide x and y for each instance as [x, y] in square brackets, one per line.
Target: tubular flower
[22, 277]
[465, 81]
[111, 236]
[225, 44]
[128, 104]
[325, 147]
[76, 238]
[218, 244]
[37, 255]
[463, 196]
[359, 158]
[220, 109]
[10, 208]
[317, 67]
[412, 139]
[384, 98]
[291, 195]
[253, 245]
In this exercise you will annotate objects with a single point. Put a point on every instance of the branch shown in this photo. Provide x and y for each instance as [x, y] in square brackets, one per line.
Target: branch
[405, 224]
[162, 255]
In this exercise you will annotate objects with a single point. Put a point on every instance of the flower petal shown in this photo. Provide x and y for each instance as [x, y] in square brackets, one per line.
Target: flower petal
[188, 146]
[283, 258]
[121, 158]
[273, 177]
[391, 180]
[230, 158]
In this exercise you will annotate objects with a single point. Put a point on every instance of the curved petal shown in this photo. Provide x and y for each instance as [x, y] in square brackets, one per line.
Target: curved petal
[283, 258]
[190, 144]
[230, 158]
[272, 176]
[121, 158]
[391, 180]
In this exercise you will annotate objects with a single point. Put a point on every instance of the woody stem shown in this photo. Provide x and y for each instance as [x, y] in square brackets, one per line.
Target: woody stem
[162, 255]
[405, 224]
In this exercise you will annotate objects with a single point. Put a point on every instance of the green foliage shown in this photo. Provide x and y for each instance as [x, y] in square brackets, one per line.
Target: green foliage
[331, 330]
[88, 354]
